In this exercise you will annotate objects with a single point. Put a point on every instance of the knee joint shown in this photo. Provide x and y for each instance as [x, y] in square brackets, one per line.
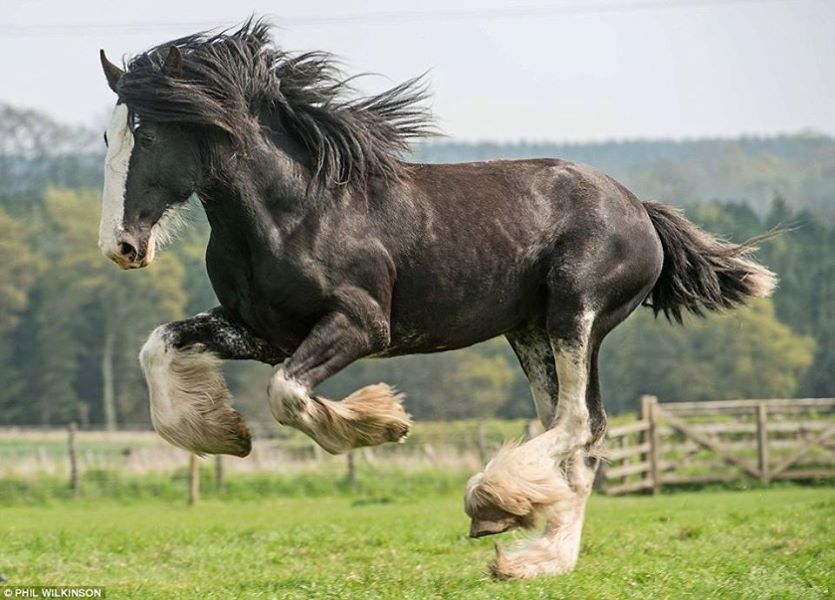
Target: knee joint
[287, 397]
[156, 349]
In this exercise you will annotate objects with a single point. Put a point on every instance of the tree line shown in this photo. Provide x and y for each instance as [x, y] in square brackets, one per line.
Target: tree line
[71, 323]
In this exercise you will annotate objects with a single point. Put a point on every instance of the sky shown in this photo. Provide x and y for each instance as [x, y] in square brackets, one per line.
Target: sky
[564, 70]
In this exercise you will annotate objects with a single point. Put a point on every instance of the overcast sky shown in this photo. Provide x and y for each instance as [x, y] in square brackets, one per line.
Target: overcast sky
[564, 70]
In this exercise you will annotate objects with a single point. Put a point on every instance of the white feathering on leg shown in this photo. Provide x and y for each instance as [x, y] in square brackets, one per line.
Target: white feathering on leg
[190, 400]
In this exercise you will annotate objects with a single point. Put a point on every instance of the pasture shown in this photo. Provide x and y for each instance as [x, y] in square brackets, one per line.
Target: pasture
[763, 543]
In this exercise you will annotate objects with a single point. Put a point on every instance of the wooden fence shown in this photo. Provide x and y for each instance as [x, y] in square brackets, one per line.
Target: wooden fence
[669, 444]
[702, 442]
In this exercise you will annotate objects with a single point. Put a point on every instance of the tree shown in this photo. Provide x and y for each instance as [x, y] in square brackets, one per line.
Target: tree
[86, 307]
[71, 323]
[474, 382]
[36, 151]
[746, 353]
[19, 266]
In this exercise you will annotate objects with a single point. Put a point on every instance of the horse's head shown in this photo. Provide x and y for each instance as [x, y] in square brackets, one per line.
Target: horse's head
[151, 168]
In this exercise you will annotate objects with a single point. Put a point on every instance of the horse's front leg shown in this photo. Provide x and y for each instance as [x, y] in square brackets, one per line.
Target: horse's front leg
[189, 398]
[370, 416]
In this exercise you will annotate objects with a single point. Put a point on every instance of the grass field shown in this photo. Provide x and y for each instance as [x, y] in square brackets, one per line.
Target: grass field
[772, 543]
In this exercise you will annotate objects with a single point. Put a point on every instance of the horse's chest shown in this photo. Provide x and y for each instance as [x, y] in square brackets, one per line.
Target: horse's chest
[275, 303]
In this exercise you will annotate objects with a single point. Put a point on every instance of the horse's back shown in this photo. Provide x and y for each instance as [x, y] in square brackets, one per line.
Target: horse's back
[480, 243]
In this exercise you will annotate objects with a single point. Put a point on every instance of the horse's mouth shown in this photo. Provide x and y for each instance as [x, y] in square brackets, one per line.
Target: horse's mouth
[132, 252]
[128, 264]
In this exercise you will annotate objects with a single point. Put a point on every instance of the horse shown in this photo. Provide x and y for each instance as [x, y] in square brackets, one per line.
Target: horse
[327, 246]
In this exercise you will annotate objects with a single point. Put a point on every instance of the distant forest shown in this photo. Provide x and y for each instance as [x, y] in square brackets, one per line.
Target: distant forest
[71, 323]
[748, 170]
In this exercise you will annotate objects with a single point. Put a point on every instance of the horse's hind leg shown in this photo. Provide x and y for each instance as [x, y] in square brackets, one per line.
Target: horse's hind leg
[551, 475]
[533, 349]
[189, 398]
[497, 499]
[557, 549]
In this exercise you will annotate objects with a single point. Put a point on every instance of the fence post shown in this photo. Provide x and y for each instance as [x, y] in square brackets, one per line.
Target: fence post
[351, 476]
[84, 413]
[429, 451]
[73, 455]
[649, 411]
[193, 480]
[482, 443]
[219, 482]
[762, 441]
[317, 452]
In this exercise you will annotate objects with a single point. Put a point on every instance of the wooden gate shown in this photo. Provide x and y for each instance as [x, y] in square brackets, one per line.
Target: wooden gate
[700, 442]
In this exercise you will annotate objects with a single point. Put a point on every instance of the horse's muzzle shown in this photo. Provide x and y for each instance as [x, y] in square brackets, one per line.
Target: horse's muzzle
[132, 251]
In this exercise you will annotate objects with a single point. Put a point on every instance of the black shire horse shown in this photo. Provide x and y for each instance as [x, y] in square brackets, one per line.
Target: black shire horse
[326, 248]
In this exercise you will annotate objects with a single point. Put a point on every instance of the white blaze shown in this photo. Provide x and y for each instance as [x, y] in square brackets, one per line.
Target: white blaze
[119, 148]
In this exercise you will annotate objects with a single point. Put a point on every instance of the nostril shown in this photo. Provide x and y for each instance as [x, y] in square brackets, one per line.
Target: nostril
[127, 250]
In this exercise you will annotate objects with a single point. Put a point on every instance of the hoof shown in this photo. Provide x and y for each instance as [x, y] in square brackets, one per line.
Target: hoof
[481, 526]
[500, 568]
[555, 552]
[239, 441]
[504, 567]
[525, 564]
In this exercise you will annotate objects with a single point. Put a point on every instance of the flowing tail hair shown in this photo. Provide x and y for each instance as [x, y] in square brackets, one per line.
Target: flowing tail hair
[701, 272]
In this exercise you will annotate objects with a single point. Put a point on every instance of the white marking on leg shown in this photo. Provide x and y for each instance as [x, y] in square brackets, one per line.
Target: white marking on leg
[289, 400]
[370, 416]
[572, 421]
[517, 470]
[155, 359]
[120, 143]
[571, 427]
[557, 549]
[554, 460]
[190, 400]
[534, 357]
[515, 482]
[544, 404]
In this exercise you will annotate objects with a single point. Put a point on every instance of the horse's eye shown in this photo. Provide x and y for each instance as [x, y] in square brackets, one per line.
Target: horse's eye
[145, 138]
[105, 139]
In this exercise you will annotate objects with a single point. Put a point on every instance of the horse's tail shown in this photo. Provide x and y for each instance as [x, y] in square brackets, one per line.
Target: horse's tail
[703, 272]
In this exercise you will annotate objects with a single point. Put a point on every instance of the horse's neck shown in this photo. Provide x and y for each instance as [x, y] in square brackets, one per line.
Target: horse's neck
[262, 196]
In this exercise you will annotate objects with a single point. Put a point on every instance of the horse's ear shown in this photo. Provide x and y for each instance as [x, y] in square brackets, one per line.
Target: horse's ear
[111, 71]
[173, 66]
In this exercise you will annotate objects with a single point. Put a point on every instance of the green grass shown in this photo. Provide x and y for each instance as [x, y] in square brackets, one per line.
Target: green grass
[326, 480]
[771, 543]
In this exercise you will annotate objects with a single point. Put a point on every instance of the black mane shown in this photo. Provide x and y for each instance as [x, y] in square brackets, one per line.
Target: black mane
[229, 79]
